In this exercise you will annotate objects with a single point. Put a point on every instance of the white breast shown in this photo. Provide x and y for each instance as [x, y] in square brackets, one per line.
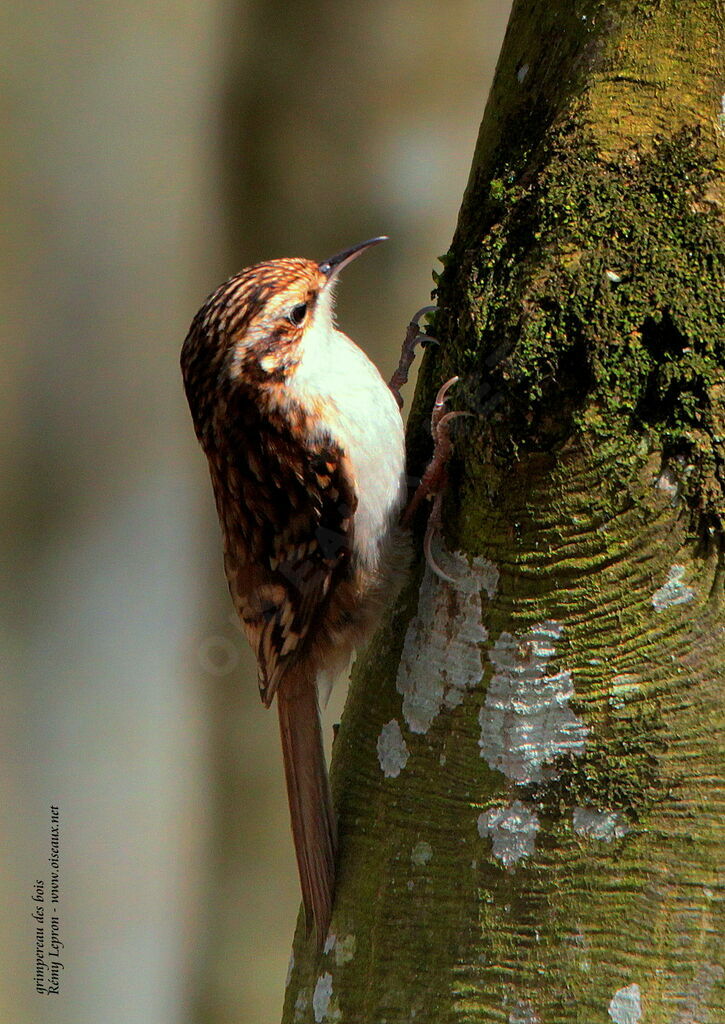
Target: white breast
[365, 421]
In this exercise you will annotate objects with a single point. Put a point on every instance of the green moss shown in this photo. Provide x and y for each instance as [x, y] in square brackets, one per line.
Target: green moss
[594, 302]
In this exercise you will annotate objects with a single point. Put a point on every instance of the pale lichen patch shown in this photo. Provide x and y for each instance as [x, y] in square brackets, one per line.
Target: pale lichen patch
[525, 720]
[345, 949]
[421, 853]
[522, 73]
[321, 997]
[667, 482]
[523, 1013]
[512, 831]
[693, 1003]
[673, 591]
[392, 750]
[290, 968]
[301, 1004]
[442, 655]
[604, 825]
[625, 1006]
[576, 949]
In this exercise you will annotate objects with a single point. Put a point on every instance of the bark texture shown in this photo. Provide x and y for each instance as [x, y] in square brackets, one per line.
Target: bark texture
[529, 770]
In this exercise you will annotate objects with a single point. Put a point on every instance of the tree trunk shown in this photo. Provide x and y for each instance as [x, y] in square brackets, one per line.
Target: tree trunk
[528, 772]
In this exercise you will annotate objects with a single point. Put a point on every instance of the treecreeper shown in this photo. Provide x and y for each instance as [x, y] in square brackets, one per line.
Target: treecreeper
[306, 451]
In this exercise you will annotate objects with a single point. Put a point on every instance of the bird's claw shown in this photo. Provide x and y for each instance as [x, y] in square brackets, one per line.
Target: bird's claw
[423, 311]
[413, 336]
[435, 478]
[422, 337]
[432, 527]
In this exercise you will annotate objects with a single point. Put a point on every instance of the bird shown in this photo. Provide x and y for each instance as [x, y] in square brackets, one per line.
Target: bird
[306, 451]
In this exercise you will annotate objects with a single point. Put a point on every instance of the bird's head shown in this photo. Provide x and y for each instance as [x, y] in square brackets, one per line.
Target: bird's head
[251, 327]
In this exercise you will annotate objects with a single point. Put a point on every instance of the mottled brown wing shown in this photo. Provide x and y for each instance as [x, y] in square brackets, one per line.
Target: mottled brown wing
[288, 522]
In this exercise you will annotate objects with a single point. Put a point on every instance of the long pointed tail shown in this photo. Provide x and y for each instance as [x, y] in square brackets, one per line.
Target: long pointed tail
[310, 802]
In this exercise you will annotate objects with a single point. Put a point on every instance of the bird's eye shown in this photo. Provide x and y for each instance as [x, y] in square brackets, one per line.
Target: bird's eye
[298, 313]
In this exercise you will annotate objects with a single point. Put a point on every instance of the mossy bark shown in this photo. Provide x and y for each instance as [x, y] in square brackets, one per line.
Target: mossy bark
[545, 844]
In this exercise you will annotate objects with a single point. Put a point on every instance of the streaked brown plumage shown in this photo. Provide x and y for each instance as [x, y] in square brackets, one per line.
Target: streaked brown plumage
[305, 448]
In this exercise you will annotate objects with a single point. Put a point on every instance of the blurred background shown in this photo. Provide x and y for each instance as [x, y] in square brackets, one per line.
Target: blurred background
[150, 151]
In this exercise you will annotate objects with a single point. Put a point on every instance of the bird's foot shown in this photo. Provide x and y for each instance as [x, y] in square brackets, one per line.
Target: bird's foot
[413, 336]
[434, 480]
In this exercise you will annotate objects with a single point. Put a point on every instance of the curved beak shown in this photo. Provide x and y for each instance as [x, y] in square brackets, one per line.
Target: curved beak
[331, 267]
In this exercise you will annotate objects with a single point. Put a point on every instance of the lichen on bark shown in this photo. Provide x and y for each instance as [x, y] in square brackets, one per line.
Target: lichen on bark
[571, 856]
